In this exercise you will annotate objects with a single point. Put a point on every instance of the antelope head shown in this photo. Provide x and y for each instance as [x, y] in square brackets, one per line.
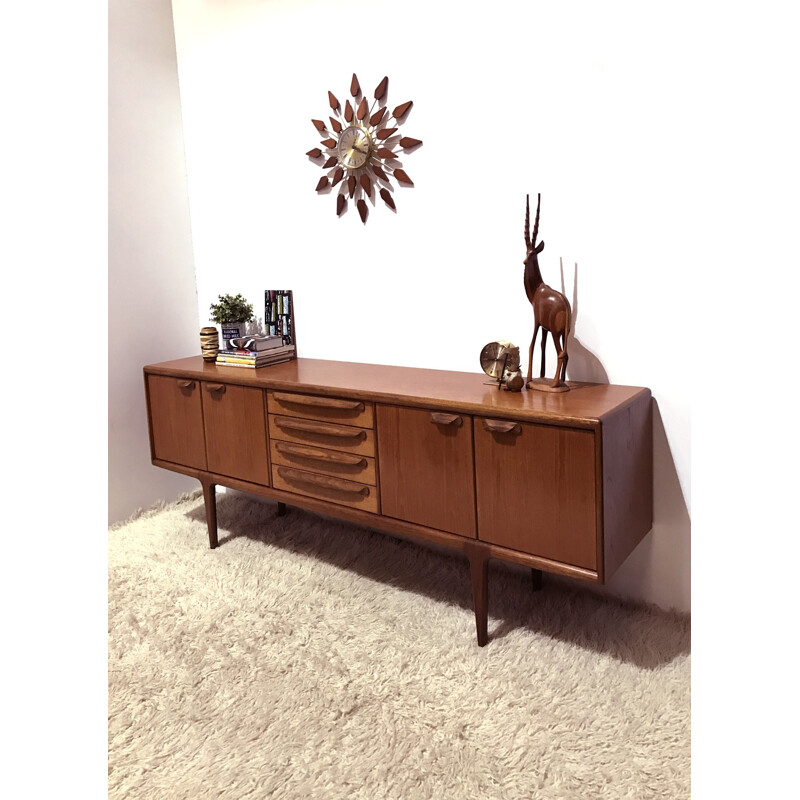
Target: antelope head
[532, 250]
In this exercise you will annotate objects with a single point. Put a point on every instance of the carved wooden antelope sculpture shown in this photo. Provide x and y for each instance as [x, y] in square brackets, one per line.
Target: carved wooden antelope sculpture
[551, 309]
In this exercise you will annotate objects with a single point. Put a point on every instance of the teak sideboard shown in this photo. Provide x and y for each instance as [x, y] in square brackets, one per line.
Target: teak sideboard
[558, 482]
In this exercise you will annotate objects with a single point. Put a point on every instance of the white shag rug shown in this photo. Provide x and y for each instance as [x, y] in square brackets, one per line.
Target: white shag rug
[305, 658]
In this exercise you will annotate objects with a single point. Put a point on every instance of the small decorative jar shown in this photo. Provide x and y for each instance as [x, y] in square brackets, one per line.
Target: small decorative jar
[209, 343]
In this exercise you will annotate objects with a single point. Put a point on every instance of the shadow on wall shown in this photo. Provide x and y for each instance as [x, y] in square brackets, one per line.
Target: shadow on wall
[660, 567]
[583, 364]
[663, 558]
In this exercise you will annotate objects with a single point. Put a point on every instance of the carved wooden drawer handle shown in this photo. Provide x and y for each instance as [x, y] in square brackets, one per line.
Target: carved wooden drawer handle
[501, 426]
[322, 481]
[319, 402]
[327, 456]
[216, 388]
[186, 384]
[440, 418]
[323, 428]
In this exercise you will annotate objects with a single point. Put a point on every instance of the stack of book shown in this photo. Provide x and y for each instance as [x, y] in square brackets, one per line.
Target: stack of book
[256, 351]
[279, 314]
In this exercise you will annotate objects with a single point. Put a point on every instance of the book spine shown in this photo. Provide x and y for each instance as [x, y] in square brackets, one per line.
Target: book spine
[257, 361]
[253, 366]
[250, 345]
[269, 351]
[237, 360]
[278, 314]
[251, 363]
[269, 354]
[233, 364]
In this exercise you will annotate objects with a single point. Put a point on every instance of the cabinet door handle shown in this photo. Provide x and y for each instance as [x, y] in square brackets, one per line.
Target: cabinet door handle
[322, 481]
[318, 402]
[440, 418]
[501, 426]
[327, 456]
[186, 384]
[216, 388]
[323, 428]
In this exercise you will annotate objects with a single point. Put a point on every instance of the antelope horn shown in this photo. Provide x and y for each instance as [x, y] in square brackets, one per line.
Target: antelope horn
[527, 220]
[536, 223]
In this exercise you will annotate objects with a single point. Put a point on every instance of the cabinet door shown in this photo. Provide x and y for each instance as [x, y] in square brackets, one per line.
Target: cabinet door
[536, 490]
[236, 431]
[425, 466]
[176, 420]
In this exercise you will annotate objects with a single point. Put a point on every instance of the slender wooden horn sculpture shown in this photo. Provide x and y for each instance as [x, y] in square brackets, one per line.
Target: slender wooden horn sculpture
[551, 310]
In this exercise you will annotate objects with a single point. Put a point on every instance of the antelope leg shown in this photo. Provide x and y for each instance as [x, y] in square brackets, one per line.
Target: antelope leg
[530, 353]
[544, 340]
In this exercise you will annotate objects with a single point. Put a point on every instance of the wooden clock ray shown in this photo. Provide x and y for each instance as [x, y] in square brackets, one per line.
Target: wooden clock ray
[361, 148]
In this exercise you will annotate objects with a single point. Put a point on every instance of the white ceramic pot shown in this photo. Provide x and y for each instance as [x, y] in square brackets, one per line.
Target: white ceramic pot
[231, 330]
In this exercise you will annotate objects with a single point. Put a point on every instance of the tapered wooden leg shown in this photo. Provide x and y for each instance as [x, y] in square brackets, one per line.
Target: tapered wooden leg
[536, 579]
[281, 509]
[478, 556]
[210, 497]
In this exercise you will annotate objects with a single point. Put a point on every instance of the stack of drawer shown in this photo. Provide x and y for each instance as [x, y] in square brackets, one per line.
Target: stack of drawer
[324, 447]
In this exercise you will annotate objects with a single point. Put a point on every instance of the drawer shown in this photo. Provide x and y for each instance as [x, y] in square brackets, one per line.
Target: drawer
[332, 409]
[325, 487]
[347, 438]
[351, 466]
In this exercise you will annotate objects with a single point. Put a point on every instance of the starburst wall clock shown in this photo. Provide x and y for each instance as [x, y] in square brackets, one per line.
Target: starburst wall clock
[361, 149]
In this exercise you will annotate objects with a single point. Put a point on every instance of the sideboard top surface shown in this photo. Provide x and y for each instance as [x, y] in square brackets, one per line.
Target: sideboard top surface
[586, 404]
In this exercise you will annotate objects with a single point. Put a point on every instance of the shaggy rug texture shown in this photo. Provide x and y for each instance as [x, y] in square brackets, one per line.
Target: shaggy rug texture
[306, 658]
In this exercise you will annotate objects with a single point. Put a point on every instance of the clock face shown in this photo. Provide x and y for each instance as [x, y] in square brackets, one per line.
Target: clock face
[361, 149]
[354, 148]
[498, 358]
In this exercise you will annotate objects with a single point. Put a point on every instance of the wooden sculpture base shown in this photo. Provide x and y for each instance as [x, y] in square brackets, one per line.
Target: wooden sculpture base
[546, 385]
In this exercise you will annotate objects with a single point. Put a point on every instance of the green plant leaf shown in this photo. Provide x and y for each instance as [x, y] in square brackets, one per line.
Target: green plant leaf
[231, 308]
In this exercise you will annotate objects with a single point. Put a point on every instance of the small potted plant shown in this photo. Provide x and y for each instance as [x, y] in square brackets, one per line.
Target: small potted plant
[231, 314]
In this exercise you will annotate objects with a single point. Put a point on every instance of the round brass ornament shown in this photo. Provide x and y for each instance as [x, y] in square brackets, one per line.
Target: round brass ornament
[500, 360]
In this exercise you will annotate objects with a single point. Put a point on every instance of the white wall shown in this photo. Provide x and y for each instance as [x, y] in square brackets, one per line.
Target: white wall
[152, 297]
[664, 141]
[579, 102]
